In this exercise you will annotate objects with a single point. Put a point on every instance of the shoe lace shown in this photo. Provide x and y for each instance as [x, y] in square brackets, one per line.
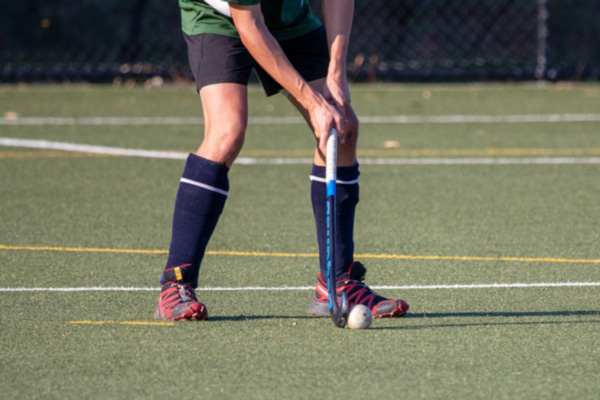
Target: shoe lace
[187, 294]
[360, 293]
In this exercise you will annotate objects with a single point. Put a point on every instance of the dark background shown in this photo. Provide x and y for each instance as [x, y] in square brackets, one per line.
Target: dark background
[401, 40]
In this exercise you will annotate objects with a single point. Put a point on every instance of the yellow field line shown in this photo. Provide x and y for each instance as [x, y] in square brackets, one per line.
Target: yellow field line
[261, 254]
[312, 255]
[138, 323]
[476, 258]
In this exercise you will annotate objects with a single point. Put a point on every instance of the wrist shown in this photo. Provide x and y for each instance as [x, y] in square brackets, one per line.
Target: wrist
[336, 70]
[309, 98]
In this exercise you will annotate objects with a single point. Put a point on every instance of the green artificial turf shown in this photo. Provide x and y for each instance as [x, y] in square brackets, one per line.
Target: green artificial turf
[71, 220]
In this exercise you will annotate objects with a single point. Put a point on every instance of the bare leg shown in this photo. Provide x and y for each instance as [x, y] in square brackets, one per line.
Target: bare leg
[225, 109]
[347, 150]
[204, 185]
[347, 193]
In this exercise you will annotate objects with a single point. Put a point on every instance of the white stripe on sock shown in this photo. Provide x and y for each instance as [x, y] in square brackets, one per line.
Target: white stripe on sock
[338, 181]
[204, 186]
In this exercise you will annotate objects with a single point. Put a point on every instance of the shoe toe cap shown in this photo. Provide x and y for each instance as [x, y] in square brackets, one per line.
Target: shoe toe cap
[390, 308]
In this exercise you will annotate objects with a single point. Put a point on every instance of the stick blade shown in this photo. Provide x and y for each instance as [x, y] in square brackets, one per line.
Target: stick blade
[339, 314]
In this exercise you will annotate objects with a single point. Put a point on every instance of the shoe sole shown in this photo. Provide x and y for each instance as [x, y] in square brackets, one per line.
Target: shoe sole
[399, 313]
[190, 315]
[318, 309]
[197, 316]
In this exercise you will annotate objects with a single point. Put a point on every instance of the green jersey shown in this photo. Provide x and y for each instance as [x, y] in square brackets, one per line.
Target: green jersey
[286, 19]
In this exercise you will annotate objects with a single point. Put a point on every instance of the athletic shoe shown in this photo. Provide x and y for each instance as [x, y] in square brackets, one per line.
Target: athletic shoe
[177, 301]
[357, 293]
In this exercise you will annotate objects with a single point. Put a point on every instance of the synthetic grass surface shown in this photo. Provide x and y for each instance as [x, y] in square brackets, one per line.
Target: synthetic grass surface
[513, 343]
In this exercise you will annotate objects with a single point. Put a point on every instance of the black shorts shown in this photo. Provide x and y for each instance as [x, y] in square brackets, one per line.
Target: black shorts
[223, 59]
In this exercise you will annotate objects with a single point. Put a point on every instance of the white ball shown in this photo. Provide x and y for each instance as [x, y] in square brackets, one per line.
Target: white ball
[360, 317]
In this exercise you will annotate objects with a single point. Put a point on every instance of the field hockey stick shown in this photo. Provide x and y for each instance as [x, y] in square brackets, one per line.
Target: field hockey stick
[338, 311]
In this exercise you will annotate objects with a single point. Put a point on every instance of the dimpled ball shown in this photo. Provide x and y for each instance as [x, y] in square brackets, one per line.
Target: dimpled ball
[360, 317]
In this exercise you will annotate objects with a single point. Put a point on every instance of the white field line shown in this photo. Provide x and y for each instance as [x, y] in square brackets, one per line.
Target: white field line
[172, 155]
[84, 148]
[382, 119]
[481, 161]
[302, 288]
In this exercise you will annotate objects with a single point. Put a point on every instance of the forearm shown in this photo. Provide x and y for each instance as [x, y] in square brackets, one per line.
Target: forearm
[267, 52]
[338, 16]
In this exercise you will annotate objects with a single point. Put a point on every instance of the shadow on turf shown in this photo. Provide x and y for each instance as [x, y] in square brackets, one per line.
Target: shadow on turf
[504, 314]
[242, 318]
[495, 314]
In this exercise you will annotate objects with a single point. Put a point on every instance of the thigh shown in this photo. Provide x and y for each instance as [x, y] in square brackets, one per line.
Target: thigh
[347, 150]
[309, 54]
[225, 107]
[218, 59]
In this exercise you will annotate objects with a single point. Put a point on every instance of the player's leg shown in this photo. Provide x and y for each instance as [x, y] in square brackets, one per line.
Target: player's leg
[347, 193]
[309, 54]
[349, 274]
[225, 108]
[204, 185]
[203, 190]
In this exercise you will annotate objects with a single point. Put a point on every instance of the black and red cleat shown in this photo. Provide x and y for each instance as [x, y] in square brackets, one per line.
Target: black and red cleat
[177, 301]
[357, 293]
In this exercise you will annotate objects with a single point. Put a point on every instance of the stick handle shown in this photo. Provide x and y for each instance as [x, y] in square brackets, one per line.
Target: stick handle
[339, 313]
[330, 178]
[331, 160]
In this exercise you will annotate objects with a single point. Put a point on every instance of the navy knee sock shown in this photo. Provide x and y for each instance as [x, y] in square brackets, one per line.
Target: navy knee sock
[200, 200]
[346, 201]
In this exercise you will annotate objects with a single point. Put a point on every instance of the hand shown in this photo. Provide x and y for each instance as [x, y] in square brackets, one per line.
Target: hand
[337, 93]
[324, 117]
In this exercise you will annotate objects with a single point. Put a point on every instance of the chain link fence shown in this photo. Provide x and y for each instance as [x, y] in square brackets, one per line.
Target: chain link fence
[100, 40]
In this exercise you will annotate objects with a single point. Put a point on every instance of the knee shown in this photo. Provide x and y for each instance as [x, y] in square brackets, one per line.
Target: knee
[223, 143]
[347, 150]
[231, 139]
[351, 125]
